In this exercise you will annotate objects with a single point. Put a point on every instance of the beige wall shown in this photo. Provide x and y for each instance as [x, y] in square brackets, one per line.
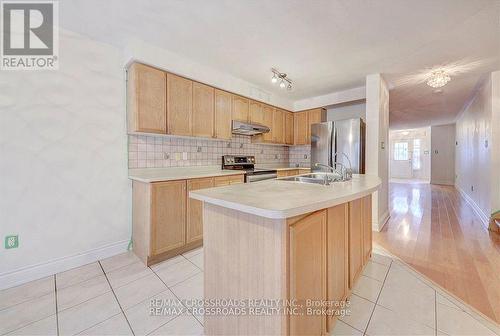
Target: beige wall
[443, 154]
[478, 149]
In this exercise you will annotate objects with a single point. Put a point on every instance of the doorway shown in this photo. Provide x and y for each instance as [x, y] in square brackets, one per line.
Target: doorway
[409, 159]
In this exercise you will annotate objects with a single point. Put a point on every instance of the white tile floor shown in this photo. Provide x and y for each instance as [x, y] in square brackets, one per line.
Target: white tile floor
[113, 297]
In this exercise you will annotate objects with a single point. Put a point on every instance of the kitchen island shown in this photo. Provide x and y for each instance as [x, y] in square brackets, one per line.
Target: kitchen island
[271, 246]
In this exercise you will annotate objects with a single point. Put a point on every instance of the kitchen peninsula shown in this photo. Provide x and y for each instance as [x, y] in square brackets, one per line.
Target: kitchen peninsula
[282, 240]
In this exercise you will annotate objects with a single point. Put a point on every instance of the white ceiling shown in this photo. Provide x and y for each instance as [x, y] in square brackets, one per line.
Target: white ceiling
[324, 45]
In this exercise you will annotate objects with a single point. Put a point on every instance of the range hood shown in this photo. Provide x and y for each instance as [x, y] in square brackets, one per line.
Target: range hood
[243, 128]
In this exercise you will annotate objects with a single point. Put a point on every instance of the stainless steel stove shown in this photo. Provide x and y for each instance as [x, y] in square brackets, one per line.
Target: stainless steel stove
[247, 163]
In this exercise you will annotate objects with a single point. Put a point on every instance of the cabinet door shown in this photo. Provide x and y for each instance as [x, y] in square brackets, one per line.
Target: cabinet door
[256, 114]
[268, 115]
[179, 105]
[314, 116]
[147, 101]
[240, 108]
[293, 172]
[279, 126]
[337, 255]
[168, 216]
[236, 179]
[282, 173]
[355, 240]
[203, 110]
[194, 227]
[367, 228]
[307, 270]
[289, 128]
[300, 126]
[222, 114]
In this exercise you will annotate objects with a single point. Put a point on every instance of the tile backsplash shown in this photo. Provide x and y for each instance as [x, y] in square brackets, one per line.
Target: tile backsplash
[149, 151]
[300, 156]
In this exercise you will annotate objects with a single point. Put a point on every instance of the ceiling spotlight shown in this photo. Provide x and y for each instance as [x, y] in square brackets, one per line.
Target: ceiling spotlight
[438, 78]
[284, 81]
[274, 79]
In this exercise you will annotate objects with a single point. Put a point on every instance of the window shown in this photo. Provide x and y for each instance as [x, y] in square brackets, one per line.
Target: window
[401, 151]
[416, 156]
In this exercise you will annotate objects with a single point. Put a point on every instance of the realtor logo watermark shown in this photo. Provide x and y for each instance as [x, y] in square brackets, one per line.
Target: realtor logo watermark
[30, 38]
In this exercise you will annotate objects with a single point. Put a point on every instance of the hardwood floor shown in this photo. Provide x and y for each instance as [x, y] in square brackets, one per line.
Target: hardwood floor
[434, 230]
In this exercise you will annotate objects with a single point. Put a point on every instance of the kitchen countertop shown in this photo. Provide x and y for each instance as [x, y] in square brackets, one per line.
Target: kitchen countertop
[285, 199]
[178, 173]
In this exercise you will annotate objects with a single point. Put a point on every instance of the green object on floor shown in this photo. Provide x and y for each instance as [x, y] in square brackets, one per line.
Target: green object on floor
[129, 247]
[11, 242]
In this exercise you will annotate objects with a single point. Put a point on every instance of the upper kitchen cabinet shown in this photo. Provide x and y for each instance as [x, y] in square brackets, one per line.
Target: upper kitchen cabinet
[203, 110]
[222, 114]
[256, 114]
[300, 125]
[268, 118]
[179, 105]
[314, 116]
[288, 128]
[240, 108]
[147, 102]
[279, 126]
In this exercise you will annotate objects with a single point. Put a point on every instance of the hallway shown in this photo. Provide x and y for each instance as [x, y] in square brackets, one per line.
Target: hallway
[434, 230]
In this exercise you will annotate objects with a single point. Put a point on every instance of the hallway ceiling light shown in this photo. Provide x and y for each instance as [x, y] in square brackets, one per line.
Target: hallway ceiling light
[284, 81]
[438, 78]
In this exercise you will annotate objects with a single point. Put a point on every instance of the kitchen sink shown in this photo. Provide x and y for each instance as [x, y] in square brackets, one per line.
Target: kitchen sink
[316, 178]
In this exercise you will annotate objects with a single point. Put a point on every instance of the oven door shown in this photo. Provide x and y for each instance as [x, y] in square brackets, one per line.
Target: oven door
[259, 177]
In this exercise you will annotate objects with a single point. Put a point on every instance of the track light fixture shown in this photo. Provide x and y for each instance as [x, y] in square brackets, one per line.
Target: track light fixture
[284, 81]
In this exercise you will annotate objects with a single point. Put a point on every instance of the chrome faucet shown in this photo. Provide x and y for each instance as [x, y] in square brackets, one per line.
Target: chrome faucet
[345, 173]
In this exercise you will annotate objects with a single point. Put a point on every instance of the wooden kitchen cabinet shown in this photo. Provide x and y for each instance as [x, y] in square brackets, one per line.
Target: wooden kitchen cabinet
[194, 227]
[227, 180]
[367, 228]
[279, 126]
[288, 128]
[239, 108]
[337, 256]
[255, 112]
[268, 117]
[300, 126]
[179, 105]
[307, 240]
[203, 110]
[355, 240]
[314, 116]
[223, 114]
[147, 102]
[168, 216]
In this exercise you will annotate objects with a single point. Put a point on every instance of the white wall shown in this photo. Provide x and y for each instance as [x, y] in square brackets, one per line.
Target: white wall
[443, 154]
[478, 149]
[63, 162]
[377, 140]
[346, 111]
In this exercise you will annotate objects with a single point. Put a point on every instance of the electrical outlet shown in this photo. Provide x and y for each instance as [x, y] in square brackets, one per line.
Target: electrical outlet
[11, 242]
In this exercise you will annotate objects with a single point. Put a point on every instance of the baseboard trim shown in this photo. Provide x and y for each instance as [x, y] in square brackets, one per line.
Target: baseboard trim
[41, 270]
[482, 216]
[378, 226]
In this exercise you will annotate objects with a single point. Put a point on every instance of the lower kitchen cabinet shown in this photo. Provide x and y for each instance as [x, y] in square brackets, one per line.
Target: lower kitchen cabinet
[308, 246]
[227, 180]
[168, 216]
[165, 221]
[194, 227]
[360, 236]
[337, 258]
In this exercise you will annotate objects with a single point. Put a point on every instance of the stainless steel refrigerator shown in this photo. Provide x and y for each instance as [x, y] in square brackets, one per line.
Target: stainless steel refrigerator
[342, 136]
